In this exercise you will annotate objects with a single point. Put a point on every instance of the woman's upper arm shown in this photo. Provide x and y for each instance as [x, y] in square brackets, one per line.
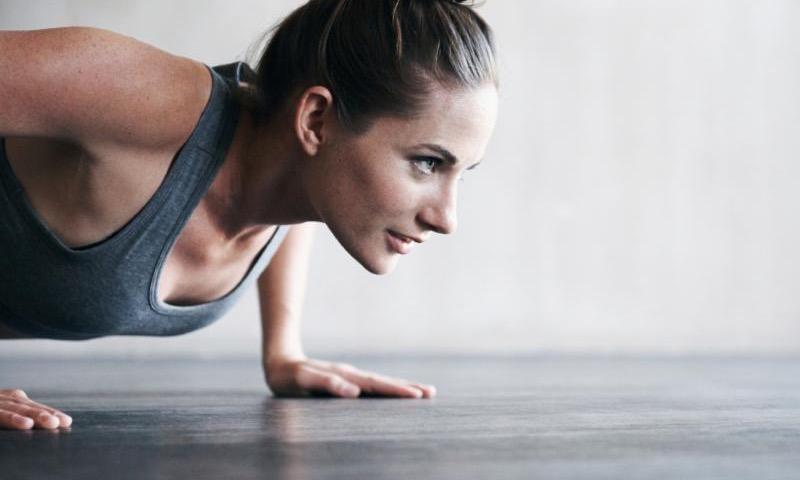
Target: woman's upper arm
[97, 88]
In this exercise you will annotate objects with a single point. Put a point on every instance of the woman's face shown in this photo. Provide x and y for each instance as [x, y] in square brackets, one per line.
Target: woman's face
[397, 179]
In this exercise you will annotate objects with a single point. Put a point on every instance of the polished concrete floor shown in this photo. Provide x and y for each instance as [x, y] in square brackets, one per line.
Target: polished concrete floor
[534, 417]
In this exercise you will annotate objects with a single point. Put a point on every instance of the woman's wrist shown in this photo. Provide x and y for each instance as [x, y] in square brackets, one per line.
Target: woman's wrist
[282, 353]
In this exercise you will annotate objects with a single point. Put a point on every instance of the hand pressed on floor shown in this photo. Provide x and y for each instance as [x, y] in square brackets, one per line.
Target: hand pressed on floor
[19, 412]
[300, 377]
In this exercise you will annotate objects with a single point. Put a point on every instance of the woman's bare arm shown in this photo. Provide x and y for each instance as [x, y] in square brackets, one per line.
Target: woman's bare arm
[106, 93]
[99, 89]
[288, 371]
[281, 291]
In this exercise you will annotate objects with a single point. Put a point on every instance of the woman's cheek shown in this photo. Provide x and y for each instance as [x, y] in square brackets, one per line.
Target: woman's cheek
[398, 193]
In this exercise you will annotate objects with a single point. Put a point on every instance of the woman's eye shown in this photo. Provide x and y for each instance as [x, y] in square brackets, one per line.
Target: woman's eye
[427, 165]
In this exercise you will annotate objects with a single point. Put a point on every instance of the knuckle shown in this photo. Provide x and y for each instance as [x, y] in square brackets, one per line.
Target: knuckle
[332, 383]
[345, 367]
[297, 370]
[42, 411]
[13, 406]
[323, 364]
[299, 367]
[17, 393]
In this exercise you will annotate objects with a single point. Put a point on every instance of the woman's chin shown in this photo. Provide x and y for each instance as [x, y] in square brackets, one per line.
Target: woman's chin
[378, 262]
[381, 265]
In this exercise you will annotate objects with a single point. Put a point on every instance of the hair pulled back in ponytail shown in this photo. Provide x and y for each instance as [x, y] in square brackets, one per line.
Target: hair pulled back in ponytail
[378, 57]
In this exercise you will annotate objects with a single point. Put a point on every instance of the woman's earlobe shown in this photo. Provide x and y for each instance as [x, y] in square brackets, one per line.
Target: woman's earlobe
[309, 139]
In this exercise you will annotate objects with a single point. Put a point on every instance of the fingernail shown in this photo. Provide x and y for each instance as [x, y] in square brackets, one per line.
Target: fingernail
[24, 422]
[46, 418]
[350, 391]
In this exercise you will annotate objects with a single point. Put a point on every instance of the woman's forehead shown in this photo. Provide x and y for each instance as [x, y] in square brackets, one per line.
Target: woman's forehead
[461, 119]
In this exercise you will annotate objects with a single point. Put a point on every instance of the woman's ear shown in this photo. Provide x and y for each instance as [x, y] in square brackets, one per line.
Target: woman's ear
[313, 116]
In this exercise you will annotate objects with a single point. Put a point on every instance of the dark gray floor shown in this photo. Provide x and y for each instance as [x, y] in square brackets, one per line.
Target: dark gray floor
[538, 417]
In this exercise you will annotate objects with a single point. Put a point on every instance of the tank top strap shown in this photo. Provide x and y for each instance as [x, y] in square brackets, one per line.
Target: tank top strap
[196, 163]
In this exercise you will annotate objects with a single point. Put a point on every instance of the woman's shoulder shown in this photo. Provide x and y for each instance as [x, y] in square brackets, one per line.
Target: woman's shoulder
[102, 90]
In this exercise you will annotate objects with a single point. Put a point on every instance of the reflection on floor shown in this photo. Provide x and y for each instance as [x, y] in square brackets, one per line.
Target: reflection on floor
[532, 417]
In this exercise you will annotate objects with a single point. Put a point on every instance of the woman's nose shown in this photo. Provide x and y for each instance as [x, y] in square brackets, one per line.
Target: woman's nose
[440, 214]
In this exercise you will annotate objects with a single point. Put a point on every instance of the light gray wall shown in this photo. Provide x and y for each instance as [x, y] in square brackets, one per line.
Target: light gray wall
[640, 193]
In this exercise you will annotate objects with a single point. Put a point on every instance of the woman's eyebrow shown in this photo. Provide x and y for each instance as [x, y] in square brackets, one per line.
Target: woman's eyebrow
[446, 155]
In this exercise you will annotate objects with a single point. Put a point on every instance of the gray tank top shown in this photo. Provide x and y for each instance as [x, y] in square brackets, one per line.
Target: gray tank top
[49, 290]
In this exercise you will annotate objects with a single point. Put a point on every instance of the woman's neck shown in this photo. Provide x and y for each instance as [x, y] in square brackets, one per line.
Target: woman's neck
[260, 182]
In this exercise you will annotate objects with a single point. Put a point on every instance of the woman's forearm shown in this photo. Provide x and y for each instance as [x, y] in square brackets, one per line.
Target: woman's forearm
[281, 293]
[280, 337]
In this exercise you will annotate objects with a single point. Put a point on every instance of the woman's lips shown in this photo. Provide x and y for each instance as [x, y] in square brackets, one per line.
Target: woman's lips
[398, 243]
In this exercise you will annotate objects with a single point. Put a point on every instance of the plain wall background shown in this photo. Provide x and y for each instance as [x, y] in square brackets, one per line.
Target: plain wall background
[640, 193]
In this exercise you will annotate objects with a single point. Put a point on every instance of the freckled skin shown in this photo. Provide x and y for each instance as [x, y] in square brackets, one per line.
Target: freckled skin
[363, 185]
[86, 88]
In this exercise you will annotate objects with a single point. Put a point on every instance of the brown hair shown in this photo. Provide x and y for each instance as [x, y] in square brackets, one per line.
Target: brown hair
[377, 57]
